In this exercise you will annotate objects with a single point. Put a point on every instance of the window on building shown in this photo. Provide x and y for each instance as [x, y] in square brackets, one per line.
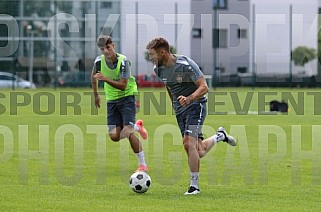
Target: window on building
[241, 70]
[220, 4]
[222, 68]
[4, 33]
[220, 38]
[86, 5]
[106, 4]
[197, 33]
[242, 33]
[106, 31]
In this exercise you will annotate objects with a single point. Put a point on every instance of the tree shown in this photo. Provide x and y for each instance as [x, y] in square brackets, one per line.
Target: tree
[302, 55]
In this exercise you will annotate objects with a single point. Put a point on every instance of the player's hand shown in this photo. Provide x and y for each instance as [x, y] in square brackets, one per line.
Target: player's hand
[99, 76]
[184, 101]
[97, 101]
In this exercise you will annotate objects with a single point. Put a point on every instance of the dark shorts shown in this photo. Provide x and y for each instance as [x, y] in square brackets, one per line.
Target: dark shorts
[121, 112]
[191, 120]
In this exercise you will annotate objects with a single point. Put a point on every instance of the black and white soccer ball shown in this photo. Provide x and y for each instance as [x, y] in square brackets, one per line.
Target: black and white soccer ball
[140, 182]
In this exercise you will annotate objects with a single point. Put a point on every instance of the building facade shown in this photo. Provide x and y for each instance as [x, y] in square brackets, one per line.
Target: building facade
[214, 33]
[54, 36]
[225, 37]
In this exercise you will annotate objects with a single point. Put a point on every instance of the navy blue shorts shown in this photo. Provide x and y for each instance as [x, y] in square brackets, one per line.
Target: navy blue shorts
[191, 120]
[121, 112]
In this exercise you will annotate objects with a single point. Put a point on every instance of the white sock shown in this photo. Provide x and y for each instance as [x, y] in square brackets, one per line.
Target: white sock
[218, 137]
[136, 128]
[141, 158]
[194, 179]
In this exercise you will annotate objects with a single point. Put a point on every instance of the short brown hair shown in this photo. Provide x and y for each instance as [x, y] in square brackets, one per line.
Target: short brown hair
[104, 40]
[158, 43]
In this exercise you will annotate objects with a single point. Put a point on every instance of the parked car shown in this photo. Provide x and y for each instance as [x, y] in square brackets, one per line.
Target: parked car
[149, 81]
[9, 80]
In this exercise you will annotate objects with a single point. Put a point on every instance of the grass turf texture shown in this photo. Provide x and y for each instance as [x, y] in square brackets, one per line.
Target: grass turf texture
[71, 168]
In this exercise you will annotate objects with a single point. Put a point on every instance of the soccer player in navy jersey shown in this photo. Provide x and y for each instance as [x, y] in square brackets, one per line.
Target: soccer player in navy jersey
[187, 89]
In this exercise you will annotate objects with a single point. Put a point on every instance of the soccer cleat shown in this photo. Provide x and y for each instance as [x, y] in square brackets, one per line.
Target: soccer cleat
[142, 168]
[192, 190]
[141, 129]
[228, 139]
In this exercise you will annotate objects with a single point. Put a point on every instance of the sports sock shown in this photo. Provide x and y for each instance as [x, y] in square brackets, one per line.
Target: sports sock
[141, 158]
[218, 137]
[194, 179]
[136, 128]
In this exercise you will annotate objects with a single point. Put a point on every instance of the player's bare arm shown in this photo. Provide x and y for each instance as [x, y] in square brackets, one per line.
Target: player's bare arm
[201, 90]
[94, 86]
[121, 84]
[169, 93]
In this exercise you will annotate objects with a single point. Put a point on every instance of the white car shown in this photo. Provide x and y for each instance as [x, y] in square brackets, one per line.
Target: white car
[8, 80]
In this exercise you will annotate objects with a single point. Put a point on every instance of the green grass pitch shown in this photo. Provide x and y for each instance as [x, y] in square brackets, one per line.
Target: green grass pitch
[55, 154]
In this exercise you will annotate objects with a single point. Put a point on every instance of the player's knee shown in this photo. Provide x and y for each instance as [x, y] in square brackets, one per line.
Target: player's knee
[188, 144]
[126, 132]
[114, 137]
[201, 154]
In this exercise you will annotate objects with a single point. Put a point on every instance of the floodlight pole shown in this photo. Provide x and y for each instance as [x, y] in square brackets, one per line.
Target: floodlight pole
[136, 56]
[176, 27]
[253, 47]
[31, 47]
[290, 45]
[215, 50]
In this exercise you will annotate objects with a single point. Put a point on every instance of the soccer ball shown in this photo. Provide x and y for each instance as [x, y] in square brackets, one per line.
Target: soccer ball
[140, 182]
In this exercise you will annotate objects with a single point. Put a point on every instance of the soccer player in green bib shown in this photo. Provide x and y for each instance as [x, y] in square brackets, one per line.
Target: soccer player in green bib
[120, 89]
